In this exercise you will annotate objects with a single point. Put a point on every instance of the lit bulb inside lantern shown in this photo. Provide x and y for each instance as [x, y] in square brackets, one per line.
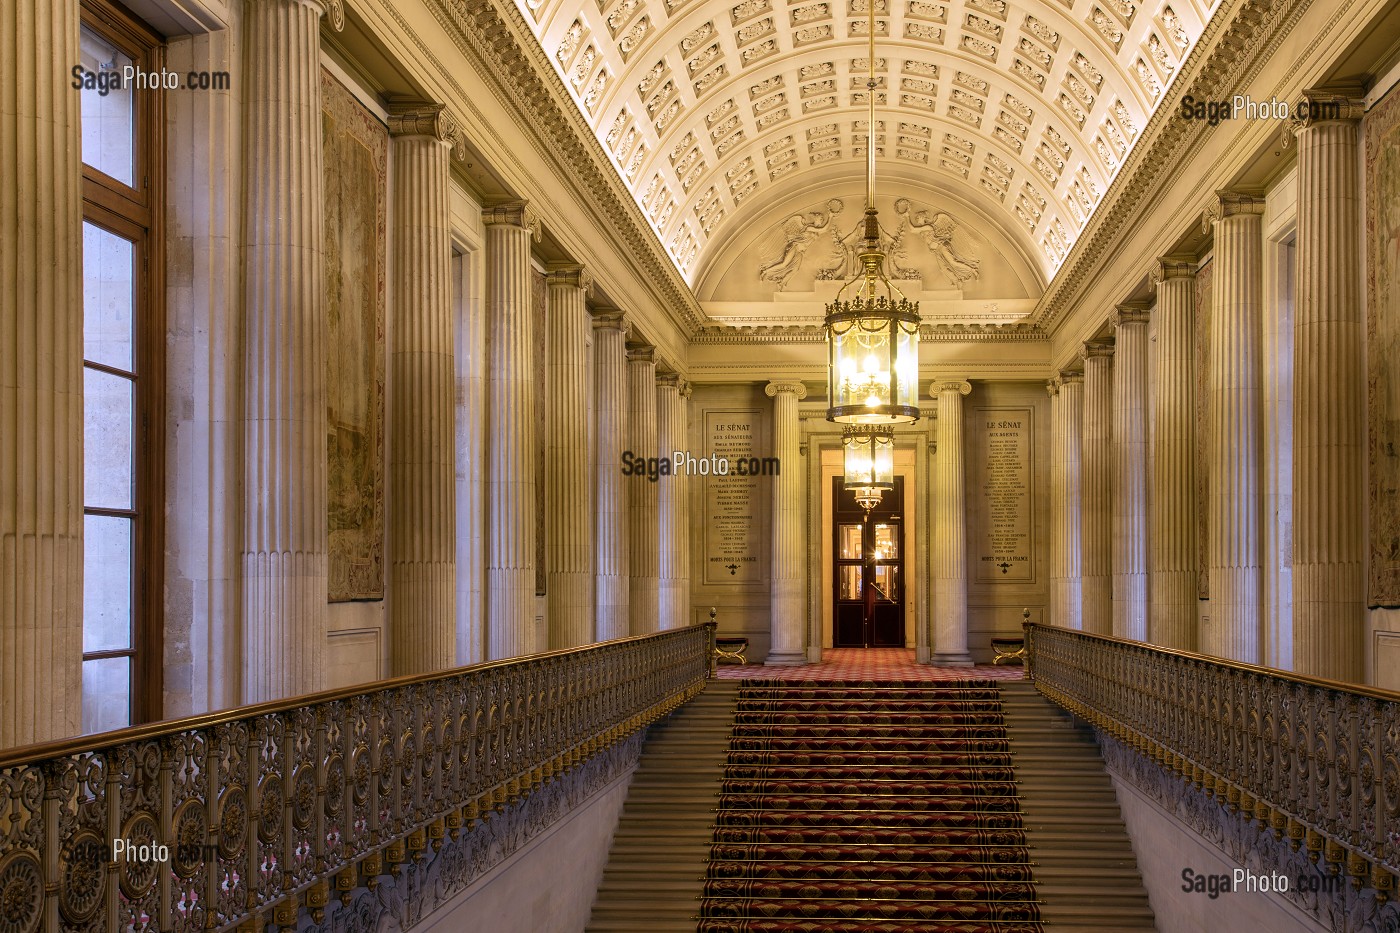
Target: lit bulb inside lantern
[872, 365]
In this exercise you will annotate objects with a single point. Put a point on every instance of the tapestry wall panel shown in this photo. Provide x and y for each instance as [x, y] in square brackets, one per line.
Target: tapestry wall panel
[355, 192]
[1203, 303]
[1383, 344]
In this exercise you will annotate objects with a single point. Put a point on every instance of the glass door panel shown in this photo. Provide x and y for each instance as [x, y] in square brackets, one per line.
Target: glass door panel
[851, 538]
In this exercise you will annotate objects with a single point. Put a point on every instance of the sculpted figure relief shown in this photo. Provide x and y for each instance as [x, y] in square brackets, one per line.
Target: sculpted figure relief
[800, 231]
[941, 234]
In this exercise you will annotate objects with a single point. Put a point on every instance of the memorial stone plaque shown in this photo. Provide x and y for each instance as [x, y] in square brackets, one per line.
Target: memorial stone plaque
[733, 529]
[1003, 452]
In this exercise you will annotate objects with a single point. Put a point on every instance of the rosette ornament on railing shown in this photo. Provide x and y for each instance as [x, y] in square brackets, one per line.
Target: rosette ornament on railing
[1315, 760]
[236, 819]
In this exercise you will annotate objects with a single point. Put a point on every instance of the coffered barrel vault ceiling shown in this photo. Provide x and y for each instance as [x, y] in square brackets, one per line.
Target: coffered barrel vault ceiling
[711, 110]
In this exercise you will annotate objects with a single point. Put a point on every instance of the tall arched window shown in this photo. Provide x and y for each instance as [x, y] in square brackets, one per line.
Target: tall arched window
[123, 334]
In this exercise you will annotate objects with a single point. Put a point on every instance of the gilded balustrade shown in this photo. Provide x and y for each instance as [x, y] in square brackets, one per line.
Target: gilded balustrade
[1313, 759]
[269, 809]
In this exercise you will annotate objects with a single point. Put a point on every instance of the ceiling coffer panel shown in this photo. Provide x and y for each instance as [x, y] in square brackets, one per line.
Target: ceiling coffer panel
[704, 104]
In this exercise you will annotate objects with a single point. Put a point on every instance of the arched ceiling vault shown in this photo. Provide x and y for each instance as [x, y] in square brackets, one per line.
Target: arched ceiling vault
[1030, 106]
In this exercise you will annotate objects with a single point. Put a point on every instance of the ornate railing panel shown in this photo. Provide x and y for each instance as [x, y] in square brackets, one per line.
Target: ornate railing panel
[266, 809]
[1317, 760]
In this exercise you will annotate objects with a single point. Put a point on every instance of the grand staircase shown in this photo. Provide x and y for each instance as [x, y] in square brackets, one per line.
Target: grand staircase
[891, 807]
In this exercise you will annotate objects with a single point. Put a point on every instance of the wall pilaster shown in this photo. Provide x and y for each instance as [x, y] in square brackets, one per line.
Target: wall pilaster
[1067, 438]
[789, 569]
[950, 528]
[673, 505]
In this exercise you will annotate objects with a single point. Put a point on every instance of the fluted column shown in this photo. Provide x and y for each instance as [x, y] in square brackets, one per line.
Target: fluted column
[1329, 400]
[510, 432]
[1067, 430]
[789, 568]
[1233, 453]
[612, 586]
[1130, 475]
[41, 376]
[568, 469]
[1172, 592]
[1096, 489]
[422, 602]
[673, 506]
[642, 532]
[949, 550]
[284, 353]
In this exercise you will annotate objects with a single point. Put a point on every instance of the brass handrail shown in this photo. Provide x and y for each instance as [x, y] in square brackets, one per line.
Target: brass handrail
[1314, 759]
[261, 809]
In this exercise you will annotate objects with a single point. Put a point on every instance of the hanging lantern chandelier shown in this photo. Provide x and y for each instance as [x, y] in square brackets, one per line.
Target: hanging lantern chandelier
[872, 338]
[868, 461]
[872, 330]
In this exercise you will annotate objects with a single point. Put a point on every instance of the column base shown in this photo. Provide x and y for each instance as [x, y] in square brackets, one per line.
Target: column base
[951, 659]
[814, 654]
[785, 658]
[923, 654]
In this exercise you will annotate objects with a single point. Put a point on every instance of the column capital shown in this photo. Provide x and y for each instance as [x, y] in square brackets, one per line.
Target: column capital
[568, 275]
[1227, 203]
[939, 386]
[1052, 386]
[1172, 267]
[642, 353]
[669, 381]
[1333, 103]
[796, 388]
[334, 10]
[513, 213]
[1070, 377]
[609, 319]
[412, 116]
[1130, 313]
[1097, 349]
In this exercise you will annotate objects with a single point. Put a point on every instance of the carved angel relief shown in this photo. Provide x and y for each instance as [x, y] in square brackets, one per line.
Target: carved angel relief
[948, 252]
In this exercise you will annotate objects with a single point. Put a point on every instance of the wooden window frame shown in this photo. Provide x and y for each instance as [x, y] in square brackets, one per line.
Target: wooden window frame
[137, 214]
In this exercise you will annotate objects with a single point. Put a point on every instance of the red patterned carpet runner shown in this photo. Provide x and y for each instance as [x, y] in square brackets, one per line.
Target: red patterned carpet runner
[869, 807]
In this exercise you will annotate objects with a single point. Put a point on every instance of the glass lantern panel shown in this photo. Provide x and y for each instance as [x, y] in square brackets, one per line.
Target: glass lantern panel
[907, 363]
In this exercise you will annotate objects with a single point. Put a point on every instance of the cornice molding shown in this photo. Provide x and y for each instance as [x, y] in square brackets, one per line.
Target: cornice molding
[1225, 57]
[816, 333]
[494, 36]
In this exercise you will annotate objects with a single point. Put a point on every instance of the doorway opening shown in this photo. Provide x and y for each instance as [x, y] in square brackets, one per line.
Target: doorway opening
[868, 571]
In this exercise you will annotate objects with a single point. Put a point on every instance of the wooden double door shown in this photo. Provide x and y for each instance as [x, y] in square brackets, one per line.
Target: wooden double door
[868, 610]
